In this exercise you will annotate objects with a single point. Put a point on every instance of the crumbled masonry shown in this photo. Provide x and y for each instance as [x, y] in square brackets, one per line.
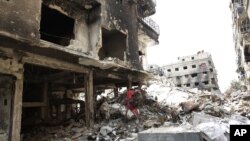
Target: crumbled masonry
[173, 109]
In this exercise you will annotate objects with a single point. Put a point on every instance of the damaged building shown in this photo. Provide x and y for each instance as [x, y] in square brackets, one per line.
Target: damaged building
[241, 29]
[56, 55]
[194, 71]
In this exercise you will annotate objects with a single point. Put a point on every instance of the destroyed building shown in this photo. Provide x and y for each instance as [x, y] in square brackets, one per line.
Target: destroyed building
[195, 71]
[241, 30]
[155, 70]
[53, 51]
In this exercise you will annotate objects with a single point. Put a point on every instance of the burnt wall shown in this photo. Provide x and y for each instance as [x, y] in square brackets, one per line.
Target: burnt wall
[113, 44]
[122, 16]
[20, 18]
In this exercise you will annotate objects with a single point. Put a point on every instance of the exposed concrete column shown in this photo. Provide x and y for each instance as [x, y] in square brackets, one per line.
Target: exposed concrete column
[17, 110]
[89, 102]
[94, 99]
[14, 68]
[129, 86]
[44, 110]
[116, 91]
[140, 84]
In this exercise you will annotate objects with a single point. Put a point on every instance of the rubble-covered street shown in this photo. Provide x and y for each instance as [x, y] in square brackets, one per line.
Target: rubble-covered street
[160, 106]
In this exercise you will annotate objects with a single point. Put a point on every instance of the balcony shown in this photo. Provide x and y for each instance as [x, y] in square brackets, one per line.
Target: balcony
[245, 27]
[148, 31]
[151, 24]
[239, 10]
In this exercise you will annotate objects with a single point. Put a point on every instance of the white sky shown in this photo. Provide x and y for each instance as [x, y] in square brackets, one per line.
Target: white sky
[188, 26]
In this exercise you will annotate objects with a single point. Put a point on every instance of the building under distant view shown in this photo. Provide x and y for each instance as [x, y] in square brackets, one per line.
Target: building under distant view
[241, 36]
[195, 71]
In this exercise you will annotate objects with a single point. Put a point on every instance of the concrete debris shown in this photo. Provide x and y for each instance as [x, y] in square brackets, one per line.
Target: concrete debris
[196, 113]
[170, 133]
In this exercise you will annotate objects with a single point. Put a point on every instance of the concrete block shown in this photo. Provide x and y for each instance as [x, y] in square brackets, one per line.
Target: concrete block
[169, 134]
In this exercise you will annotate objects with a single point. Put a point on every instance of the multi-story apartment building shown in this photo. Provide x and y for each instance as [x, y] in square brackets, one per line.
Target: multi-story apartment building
[53, 50]
[241, 36]
[195, 71]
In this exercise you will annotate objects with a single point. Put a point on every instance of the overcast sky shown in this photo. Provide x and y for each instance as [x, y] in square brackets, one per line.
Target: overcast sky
[188, 26]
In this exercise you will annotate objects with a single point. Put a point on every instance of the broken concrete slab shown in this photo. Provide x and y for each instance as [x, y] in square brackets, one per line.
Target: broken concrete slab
[169, 134]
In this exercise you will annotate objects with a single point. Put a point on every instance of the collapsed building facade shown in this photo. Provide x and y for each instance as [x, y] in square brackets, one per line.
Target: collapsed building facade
[195, 71]
[241, 29]
[52, 51]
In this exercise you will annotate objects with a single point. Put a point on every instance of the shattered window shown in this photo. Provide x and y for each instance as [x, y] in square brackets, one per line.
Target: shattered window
[196, 83]
[56, 27]
[194, 75]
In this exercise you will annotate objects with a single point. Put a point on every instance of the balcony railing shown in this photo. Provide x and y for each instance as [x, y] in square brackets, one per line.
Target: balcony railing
[151, 23]
[245, 27]
[241, 2]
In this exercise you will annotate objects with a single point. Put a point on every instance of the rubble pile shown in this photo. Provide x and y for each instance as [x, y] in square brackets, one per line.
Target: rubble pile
[115, 121]
[209, 112]
[159, 105]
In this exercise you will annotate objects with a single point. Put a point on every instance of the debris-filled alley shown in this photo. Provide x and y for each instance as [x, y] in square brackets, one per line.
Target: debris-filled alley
[77, 70]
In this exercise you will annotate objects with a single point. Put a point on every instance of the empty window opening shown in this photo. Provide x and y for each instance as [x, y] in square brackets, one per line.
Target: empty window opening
[194, 74]
[213, 80]
[179, 85]
[113, 44]
[186, 76]
[176, 69]
[215, 88]
[178, 77]
[209, 62]
[185, 67]
[192, 58]
[211, 70]
[183, 60]
[205, 72]
[188, 85]
[206, 82]
[169, 70]
[196, 83]
[5, 102]
[141, 54]
[247, 53]
[193, 66]
[56, 27]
